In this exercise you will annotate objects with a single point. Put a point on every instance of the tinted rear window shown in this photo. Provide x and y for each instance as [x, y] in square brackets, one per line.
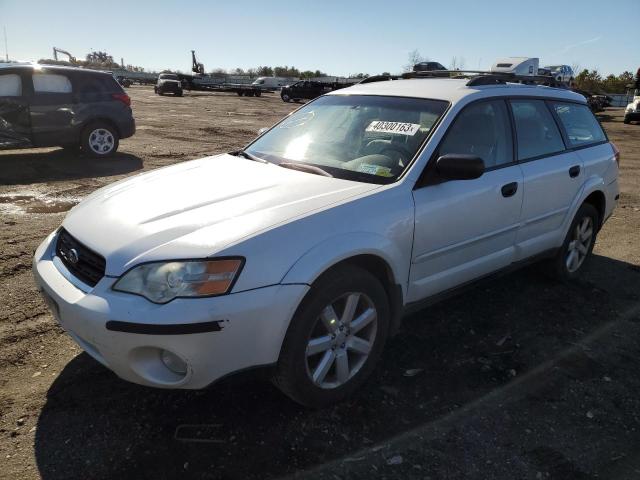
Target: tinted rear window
[96, 84]
[580, 124]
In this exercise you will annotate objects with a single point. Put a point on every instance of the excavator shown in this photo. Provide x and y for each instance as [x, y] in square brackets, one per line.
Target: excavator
[197, 68]
[57, 50]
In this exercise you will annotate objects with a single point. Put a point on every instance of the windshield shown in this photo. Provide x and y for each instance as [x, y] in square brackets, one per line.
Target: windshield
[169, 77]
[356, 137]
[554, 68]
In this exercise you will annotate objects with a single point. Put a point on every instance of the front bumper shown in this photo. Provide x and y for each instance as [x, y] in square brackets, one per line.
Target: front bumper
[632, 116]
[169, 87]
[252, 326]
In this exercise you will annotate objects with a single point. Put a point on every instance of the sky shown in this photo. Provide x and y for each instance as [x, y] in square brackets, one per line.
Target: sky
[337, 37]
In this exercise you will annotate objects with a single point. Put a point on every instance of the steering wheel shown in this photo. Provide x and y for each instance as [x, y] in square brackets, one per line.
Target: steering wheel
[397, 153]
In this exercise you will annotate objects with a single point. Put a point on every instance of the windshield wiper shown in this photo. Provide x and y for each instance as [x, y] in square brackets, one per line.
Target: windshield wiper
[248, 156]
[303, 167]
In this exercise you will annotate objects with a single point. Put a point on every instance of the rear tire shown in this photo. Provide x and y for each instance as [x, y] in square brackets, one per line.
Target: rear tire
[344, 320]
[100, 139]
[179, 93]
[578, 244]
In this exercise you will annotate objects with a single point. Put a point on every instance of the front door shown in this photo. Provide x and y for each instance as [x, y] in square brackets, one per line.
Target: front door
[465, 229]
[15, 128]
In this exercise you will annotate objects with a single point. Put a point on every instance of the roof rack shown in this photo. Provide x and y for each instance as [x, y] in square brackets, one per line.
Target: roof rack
[476, 77]
[482, 77]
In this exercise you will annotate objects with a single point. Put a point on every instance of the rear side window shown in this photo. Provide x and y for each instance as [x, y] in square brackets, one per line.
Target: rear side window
[580, 124]
[51, 83]
[481, 129]
[96, 84]
[10, 85]
[537, 132]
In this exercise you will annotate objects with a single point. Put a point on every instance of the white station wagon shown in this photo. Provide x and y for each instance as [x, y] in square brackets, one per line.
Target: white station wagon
[302, 251]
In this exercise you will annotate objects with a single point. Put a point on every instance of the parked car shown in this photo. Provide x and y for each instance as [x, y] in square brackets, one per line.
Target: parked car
[428, 67]
[561, 73]
[168, 83]
[271, 83]
[48, 106]
[124, 81]
[302, 252]
[304, 90]
[632, 112]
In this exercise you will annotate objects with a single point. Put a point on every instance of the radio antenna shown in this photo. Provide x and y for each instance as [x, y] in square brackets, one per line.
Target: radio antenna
[6, 50]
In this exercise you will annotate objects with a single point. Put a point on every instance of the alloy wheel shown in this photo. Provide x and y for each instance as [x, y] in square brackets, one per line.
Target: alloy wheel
[341, 340]
[578, 247]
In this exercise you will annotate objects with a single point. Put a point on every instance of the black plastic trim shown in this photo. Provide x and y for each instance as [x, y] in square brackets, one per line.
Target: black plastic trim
[168, 329]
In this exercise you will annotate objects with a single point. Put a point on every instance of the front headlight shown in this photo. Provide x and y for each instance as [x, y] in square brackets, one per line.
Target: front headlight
[161, 282]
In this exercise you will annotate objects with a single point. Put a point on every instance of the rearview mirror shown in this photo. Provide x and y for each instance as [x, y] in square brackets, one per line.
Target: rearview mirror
[458, 166]
[262, 130]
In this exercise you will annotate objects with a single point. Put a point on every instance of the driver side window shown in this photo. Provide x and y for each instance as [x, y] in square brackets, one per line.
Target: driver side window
[481, 129]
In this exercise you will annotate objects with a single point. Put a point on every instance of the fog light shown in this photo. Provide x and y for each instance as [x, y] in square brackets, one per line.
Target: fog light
[173, 362]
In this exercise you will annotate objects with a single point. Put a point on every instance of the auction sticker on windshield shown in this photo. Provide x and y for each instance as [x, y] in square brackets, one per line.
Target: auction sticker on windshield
[399, 128]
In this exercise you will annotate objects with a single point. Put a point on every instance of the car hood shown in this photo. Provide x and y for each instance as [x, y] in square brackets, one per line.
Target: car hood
[195, 209]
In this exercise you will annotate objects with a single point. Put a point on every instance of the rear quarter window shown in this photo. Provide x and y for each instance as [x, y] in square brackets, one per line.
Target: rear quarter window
[579, 123]
[96, 84]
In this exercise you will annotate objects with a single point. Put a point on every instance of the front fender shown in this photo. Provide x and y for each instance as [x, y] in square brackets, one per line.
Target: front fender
[341, 247]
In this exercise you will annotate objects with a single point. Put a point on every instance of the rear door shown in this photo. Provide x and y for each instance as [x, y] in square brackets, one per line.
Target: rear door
[15, 126]
[553, 176]
[52, 109]
[465, 229]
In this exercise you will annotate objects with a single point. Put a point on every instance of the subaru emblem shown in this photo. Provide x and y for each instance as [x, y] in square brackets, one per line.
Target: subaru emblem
[73, 256]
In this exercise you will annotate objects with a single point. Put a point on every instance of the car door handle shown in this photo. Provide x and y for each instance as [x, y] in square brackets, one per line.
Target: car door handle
[574, 171]
[510, 189]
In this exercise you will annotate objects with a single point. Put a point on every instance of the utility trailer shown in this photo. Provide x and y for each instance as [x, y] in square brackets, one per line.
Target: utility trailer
[199, 81]
[211, 84]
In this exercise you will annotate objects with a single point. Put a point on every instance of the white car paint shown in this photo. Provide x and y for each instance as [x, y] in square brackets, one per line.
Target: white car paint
[292, 226]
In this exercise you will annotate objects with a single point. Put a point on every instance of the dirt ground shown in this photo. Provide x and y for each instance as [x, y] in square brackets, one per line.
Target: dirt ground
[521, 377]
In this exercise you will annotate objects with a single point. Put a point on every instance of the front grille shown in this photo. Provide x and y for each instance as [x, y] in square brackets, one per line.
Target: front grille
[81, 261]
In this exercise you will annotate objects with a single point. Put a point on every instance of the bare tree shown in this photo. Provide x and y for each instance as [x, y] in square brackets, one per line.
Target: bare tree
[413, 58]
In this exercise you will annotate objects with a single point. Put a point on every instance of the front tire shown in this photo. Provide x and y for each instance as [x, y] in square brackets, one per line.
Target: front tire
[335, 338]
[626, 120]
[578, 243]
[100, 139]
[285, 97]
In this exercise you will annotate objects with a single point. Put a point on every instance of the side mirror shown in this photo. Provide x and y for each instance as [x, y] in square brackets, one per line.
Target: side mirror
[262, 130]
[458, 166]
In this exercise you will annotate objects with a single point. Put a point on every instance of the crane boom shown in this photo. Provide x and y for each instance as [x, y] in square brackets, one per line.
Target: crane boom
[57, 50]
[196, 67]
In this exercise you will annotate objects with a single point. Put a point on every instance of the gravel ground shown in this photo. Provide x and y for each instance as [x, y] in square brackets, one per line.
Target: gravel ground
[519, 377]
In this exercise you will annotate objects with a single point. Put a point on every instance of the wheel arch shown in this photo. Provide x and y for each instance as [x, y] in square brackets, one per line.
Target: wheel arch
[107, 120]
[598, 199]
[382, 261]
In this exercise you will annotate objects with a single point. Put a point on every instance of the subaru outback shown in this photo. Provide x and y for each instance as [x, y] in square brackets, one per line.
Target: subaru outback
[302, 251]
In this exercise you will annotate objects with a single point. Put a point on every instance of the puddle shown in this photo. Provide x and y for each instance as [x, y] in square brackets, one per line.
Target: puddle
[22, 204]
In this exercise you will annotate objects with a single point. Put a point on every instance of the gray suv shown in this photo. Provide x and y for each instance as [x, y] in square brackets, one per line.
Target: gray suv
[47, 106]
